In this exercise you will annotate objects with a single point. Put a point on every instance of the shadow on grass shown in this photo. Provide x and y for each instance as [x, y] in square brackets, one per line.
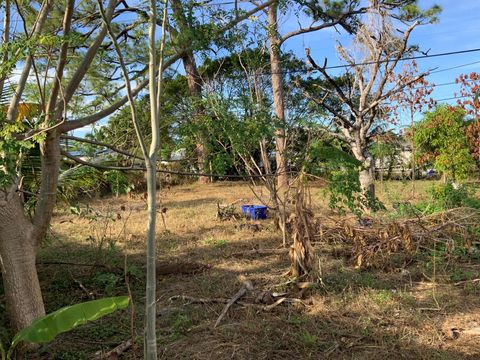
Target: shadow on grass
[355, 315]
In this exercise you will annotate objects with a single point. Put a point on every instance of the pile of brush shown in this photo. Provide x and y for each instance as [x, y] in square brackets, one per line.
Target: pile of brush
[381, 243]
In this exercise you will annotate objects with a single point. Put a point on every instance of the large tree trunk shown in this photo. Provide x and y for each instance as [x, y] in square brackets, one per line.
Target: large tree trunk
[366, 175]
[20, 238]
[195, 87]
[367, 183]
[18, 252]
[278, 98]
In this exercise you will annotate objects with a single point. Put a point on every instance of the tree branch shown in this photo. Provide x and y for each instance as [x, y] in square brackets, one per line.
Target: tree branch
[332, 82]
[324, 25]
[87, 61]
[38, 27]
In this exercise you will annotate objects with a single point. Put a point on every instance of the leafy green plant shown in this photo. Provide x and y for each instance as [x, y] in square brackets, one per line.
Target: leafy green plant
[342, 172]
[442, 197]
[217, 243]
[309, 340]
[118, 182]
[180, 326]
[441, 140]
[79, 180]
[106, 280]
[46, 328]
[449, 196]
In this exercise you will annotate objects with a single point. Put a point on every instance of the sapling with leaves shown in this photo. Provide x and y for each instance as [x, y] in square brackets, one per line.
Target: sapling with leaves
[149, 154]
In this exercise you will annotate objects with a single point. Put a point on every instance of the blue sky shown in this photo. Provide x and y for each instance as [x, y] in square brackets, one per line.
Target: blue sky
[458, 29]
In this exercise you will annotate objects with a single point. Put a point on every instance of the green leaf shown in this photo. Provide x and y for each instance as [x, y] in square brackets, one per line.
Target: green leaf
[46, 328]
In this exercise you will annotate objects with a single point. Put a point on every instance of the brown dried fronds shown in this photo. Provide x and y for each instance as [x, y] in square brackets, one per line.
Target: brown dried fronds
[302, 227]
[386, 243]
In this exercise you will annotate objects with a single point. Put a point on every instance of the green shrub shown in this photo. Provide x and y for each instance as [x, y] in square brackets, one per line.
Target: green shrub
[449, 196]
[442, 197]
[118, 182]
[106, 280]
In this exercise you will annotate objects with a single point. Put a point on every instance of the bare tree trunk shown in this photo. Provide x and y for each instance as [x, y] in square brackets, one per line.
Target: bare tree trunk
[367, 183]
[50, 159]
[413, 154]
[278, 97]
[18, 252]
[366, 175]
[151, 294]
[382, 166]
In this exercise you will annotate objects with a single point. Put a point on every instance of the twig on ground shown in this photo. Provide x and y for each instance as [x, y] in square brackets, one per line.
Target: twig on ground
[247, 286]
[115, 353]
[261, 252]
[466, 282]
[275, 304]
[90, 294]
[193, 300]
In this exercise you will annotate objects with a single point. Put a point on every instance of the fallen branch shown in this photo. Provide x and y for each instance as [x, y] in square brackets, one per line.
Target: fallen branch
[90, 294]
[466, 282]
[115, 353]
[193, 300]
[261, 252]
[247, 286]
[275, 304]
[281, 300]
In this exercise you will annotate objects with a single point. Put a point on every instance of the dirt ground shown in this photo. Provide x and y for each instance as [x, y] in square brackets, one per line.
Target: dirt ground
[429, 309]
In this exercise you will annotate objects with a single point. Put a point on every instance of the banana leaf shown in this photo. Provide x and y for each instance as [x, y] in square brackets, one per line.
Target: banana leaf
[46, 328]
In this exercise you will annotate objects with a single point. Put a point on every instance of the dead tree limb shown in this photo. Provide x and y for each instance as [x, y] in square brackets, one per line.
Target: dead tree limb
[247, 286]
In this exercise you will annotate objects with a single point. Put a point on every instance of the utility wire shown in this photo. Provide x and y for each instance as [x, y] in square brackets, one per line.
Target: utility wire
[418, 57]
[450, 53]
[454, 67]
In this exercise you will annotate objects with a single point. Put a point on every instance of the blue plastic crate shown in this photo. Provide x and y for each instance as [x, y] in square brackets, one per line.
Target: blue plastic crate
[246, 209]
[255, 212]
[258, 212]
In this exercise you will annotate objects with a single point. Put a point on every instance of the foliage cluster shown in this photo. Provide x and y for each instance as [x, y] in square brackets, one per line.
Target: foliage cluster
[342, 173]
[441, 141]
[442, 197]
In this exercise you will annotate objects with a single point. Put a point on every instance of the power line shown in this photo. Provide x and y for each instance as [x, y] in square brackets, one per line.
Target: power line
[455, 67]
[347, 66]
[452, 98]
[418, 57]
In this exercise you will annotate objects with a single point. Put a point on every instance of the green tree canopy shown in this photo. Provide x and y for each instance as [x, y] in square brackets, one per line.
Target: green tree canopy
[441, 141]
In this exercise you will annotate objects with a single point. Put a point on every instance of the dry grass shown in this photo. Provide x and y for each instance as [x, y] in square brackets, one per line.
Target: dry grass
[374, 314]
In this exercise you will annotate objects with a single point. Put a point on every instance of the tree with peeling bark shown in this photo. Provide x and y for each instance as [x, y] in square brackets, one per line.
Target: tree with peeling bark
[60, 78]
[371, 63]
